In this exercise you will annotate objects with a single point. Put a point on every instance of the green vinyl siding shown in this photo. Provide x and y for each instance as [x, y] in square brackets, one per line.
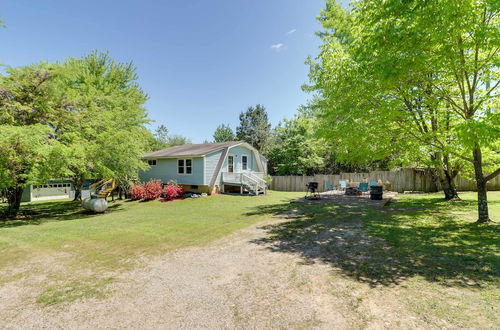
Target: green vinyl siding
[237, 152]
[202, 167]
[211, 161]
[166, 170]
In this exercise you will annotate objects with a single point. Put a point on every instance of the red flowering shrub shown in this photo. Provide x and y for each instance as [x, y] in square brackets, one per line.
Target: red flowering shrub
[172, 191]
[152, 190]
[137, 192]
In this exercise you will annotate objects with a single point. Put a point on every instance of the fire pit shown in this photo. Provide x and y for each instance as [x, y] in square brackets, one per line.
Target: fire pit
[352, 191]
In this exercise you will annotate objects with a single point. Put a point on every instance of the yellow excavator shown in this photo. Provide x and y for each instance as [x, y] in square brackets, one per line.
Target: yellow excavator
[103, 188]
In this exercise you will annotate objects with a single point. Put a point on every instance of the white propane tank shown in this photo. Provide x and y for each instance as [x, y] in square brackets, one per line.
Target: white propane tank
[86, 203]
[97, 205]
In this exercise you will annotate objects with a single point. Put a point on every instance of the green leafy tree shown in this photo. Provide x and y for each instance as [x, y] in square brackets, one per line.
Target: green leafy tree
[105, 136]
[378, 69]
[158, 139]
[295, 149]
[30, 106]
[177, 140]
[25, 157]
[224, 133]
[464, 59]
[254, 127]
[86, 117]
[161, 134]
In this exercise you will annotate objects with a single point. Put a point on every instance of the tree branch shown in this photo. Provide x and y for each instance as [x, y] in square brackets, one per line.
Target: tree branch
[492, 175]
[442, 148]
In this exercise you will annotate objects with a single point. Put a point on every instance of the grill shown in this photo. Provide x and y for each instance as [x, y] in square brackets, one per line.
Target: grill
[313, 186]
[312, 190]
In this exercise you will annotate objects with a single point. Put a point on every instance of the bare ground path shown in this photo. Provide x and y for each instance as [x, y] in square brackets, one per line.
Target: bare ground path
[241, 281]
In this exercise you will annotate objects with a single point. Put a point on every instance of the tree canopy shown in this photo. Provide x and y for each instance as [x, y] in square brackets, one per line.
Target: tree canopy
[31, 107]
[80, 119]
[417, 79]
[105, 136]
[254, 127]
[223, 133]
[295, 150]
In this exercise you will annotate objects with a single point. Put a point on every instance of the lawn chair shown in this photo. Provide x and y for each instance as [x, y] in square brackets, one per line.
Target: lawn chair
[329, 186]
[343, 185]
[363, 187]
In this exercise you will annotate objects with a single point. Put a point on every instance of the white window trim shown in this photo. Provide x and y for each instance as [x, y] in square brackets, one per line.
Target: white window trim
[244, 169]
[185, 166]
[234, 163]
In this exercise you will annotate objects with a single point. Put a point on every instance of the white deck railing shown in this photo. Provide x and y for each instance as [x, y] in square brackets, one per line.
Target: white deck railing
[252, 179]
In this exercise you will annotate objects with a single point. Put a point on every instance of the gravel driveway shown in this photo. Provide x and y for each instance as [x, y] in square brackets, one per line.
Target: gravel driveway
[231, 283]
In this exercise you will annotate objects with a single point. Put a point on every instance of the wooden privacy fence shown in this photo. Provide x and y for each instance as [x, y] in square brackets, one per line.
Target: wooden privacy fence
[406, 179]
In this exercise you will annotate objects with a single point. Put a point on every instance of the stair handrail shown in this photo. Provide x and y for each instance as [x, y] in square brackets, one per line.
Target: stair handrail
[254, 179]
[260, 181]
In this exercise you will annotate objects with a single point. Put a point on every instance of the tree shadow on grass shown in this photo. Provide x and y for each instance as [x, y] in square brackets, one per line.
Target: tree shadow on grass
[386, 245]
[40, 212]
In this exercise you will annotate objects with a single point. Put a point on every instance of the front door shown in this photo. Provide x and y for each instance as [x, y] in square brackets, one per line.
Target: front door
[230, 163]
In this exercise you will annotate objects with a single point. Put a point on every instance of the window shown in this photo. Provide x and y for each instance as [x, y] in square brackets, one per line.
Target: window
[184, 166]
[244, 162]
[152, 162]
[230, 163]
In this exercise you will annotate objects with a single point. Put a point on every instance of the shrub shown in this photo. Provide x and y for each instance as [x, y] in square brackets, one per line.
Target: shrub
[268, 179]
[152, 190]
[137, 192]
[172, 191]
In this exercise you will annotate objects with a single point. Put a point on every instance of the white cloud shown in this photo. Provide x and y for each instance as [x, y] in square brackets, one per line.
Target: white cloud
[278, 47]
[292, 31]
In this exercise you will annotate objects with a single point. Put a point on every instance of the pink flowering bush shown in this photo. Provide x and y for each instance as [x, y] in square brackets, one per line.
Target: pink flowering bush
[137, 192]
[172, 191]
[152, 190]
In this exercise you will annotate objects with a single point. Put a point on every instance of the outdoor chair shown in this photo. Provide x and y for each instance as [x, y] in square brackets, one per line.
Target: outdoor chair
[373, 183]
[329, 186]
[363, 187]
[343, 185]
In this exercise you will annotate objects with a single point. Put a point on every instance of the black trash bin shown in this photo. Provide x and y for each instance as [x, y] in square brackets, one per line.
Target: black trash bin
[376, 193]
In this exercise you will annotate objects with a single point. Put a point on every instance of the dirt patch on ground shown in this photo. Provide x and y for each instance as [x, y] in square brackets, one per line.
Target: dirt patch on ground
[245, 280]
[339, 197]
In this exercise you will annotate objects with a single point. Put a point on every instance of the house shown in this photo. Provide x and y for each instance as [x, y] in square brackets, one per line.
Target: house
[209, 167]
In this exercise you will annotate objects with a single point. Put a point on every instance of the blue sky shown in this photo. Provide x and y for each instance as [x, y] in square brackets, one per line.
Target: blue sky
[201, 62]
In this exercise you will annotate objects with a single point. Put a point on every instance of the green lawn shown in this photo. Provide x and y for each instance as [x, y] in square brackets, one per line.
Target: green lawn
[91, 246]
[129, 228]
[428, 252]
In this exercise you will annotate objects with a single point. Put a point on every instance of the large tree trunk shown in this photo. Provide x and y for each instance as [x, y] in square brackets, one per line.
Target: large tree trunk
[445, 174]
[14, 195]
[78, 185]
[449, 188]
[482, 195]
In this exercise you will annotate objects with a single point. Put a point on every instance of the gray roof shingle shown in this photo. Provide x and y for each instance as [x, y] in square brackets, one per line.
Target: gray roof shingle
[188, 150]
